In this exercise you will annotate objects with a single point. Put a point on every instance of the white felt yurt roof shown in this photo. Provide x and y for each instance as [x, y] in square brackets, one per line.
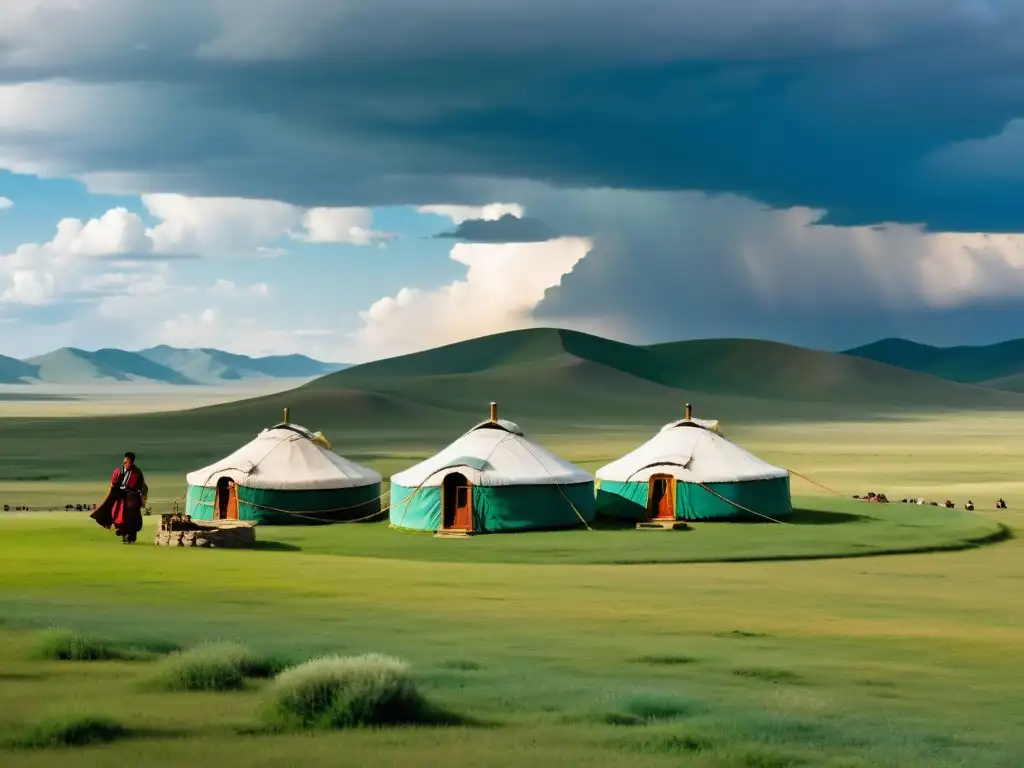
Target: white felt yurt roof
[494, 453]
[712, 424]
[690, 452]
[286, 458]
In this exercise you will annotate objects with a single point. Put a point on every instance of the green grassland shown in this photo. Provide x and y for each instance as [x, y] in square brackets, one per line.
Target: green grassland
[896, 661]
[603, 648]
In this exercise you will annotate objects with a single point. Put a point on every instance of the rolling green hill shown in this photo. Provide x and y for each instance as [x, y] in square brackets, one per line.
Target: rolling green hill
[993, 365]
[549, 381]
[736, 368]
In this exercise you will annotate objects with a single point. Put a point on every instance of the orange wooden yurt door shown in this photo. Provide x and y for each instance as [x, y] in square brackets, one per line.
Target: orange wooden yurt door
[661, 496]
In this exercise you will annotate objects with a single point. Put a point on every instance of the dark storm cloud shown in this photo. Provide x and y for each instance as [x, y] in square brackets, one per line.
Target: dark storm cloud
[507, 229]
[852, 106]
[685, 265]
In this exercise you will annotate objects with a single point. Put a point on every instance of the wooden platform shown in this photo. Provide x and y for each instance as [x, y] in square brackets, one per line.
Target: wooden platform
[452, 534]
[663, 525]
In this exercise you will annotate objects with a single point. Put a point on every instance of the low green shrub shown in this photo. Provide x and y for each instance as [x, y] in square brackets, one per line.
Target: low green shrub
[346, 692]
[64, 645]
[215, 667]
[69, 645]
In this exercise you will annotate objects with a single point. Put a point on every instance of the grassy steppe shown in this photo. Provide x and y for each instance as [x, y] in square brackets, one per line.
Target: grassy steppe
[560, 653]
[871, 662]
[897, 661]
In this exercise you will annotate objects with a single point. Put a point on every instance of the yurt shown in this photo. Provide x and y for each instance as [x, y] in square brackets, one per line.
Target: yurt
[287, 475]
[492, 479]
[690, 471]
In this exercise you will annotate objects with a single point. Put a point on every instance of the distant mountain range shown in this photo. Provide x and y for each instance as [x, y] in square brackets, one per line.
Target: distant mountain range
[163, 365]
[996, 366]
[552, 382]
[716, 365]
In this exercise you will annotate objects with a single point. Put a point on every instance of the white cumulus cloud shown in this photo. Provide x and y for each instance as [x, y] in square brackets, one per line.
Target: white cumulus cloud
[5, 203]
[241, 225]
[38, 273]
[503, 284]
[81, 252]
[340, 225]
[222, 287]
[211, 224]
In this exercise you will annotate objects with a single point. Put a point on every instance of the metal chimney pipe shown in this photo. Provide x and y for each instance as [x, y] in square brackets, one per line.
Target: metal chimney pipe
[494, 411]
[689, 411]
[287, 415]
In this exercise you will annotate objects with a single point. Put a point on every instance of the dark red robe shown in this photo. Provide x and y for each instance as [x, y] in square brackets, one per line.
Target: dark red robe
[122, 508]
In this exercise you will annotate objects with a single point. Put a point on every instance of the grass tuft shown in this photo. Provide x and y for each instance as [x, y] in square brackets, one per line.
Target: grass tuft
[462, 665]
[754, 756]
[69, 731]
[648, 709]
[215, 667]
[665, 661]
[768, 675]
[347, 692]
[675, 743]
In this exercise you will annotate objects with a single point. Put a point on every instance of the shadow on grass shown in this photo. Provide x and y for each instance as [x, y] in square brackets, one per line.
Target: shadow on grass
[276, 546]
[613, 524]
[799, 517]
[769, 675]
[16, 677]
[820, 517]
[78, 731]
[649, 709]
[462, 665]
[668, 660]
[432, 717]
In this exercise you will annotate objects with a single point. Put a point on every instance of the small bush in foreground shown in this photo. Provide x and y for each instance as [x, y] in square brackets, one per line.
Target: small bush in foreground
[62, 645]
[214, 667]
[345, 692]
[70, 731]
[67, 645]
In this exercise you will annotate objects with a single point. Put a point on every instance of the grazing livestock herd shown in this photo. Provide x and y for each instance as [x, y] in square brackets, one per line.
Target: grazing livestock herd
[881, 498]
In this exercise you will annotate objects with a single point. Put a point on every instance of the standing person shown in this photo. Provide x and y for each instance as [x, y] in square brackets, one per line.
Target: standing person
[122, 508]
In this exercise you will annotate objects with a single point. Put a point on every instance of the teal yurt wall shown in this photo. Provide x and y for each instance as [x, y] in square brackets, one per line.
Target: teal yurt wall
[702, 476]
[508, 483]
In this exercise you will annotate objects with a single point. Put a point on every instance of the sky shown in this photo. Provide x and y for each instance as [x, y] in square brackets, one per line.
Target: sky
[355, 179]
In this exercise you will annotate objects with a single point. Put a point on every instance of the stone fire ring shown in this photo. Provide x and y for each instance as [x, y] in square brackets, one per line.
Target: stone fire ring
[183, 531]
